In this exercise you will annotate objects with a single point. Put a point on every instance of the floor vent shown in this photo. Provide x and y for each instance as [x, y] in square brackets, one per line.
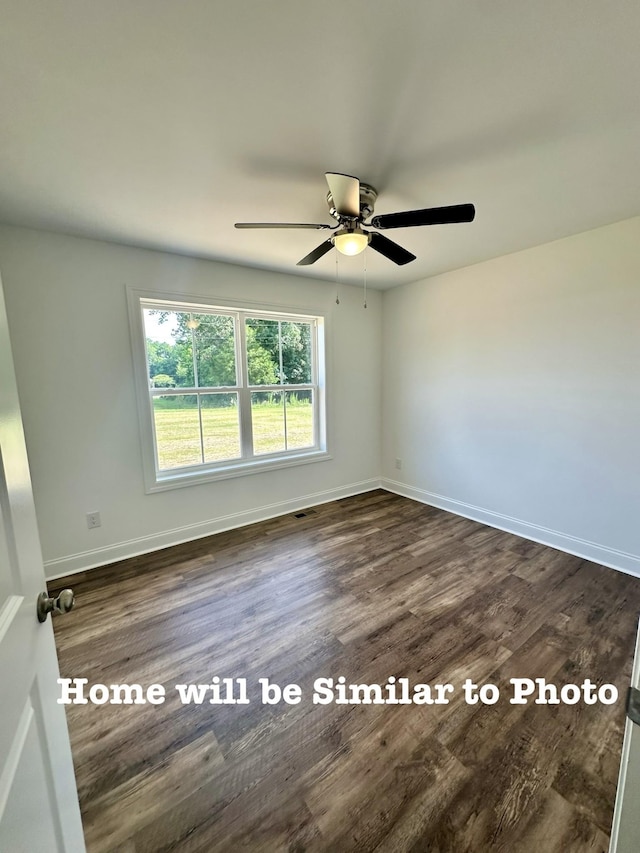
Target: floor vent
[304, 514]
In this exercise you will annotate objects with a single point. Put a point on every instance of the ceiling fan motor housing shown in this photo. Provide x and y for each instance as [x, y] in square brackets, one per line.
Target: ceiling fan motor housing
[368, 196]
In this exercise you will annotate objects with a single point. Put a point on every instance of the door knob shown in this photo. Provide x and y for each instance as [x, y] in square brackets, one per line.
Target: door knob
[62, 604]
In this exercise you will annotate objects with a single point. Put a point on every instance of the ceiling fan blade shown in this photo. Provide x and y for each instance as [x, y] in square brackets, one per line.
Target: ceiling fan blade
[428, 216]
[317, 253]
[390, 249]
[317, 226]
[345, 191]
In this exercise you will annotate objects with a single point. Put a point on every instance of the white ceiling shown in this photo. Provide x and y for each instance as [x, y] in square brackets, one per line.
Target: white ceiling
[160, 124]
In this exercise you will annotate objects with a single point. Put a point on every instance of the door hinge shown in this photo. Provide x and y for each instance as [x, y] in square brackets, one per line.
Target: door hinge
[633, 705]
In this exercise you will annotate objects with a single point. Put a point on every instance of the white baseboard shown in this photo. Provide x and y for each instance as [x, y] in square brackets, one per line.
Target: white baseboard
[75, 563]
[603, 555]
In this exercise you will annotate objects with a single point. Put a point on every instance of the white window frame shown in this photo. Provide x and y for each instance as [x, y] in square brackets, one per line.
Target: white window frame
[160, 480]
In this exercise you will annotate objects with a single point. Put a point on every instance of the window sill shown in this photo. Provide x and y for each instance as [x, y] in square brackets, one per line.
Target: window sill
[183, 478]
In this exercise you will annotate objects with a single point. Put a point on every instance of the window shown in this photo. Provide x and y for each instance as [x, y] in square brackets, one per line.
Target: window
[228, 390]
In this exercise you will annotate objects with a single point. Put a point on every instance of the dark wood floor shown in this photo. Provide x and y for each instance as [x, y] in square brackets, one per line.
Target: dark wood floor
[366, 588]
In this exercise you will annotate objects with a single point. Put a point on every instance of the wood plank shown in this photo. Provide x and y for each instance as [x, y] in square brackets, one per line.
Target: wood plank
[149, 794]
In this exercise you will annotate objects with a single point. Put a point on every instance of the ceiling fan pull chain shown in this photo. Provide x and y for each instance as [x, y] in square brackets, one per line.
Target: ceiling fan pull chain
[364, 258]
[337, 281]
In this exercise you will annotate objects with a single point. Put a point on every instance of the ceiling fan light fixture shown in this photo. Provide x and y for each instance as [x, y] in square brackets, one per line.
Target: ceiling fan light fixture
[351, 242]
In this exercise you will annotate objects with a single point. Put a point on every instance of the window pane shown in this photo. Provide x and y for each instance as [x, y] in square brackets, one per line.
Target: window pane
[263, 351]
[190, 351]
[299, 419]
[267, 414]
[169, 349]
[177, 423]
[296, 353]
[220, 427]
[215, 349]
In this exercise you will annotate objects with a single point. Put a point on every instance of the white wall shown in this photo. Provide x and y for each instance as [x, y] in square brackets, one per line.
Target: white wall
[512, 392]
[67, 307]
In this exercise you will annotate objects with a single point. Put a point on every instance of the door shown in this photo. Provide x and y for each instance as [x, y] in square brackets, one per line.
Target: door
[38, 798]
[625, 833]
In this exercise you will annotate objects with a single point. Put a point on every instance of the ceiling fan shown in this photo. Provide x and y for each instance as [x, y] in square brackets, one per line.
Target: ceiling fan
[351, 202]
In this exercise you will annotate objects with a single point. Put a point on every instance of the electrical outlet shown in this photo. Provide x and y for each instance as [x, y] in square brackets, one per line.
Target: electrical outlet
[93, 520]
[399, 464]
